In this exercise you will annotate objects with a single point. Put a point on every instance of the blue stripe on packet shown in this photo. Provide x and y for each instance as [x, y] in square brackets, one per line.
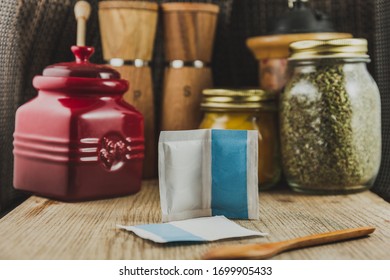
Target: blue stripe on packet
[229, 173]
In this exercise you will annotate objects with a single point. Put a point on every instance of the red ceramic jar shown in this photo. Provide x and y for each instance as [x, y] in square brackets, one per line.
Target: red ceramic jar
[78, 139]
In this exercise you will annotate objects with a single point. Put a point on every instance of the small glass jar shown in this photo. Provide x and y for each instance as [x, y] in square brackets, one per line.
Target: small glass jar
[330, 118]
[247, 110]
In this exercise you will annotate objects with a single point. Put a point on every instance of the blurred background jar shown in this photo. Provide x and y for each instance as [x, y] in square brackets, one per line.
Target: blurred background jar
[248, 110]
[330, 118]
[299, 22]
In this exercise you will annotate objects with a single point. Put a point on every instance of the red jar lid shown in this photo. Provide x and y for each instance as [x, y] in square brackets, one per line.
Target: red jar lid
[81, 76]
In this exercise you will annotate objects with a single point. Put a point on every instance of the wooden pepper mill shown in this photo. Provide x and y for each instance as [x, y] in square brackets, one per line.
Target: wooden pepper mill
[128, 30]
[189, 30]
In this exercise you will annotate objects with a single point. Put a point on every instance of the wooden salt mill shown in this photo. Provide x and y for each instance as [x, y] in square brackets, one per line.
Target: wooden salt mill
[128, 30]
[189, 30]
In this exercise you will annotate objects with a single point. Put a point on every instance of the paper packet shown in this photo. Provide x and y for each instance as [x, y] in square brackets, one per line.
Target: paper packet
[208, 172]
[192, 230]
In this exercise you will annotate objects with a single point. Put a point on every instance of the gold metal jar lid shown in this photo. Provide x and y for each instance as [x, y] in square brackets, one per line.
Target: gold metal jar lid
[237, 100]
[337, 48]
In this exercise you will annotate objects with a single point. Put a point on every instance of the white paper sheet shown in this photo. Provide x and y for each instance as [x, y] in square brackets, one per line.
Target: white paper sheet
[192, 230]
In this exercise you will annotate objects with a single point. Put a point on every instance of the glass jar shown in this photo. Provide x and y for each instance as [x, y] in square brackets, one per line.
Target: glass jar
[247, 110]
[330, 118]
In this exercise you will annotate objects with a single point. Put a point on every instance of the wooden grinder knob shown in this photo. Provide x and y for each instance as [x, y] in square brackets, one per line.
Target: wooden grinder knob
[127, 29]
[189, 30]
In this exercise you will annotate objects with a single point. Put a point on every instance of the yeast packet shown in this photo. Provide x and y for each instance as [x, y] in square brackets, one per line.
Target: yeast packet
[208, 172]
[192, 230]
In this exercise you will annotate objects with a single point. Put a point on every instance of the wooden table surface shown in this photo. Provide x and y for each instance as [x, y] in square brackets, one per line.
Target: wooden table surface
[45, 229]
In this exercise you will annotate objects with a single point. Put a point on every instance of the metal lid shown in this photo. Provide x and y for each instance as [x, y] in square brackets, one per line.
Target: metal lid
[237, 100]
[342, 48]
[301, 19]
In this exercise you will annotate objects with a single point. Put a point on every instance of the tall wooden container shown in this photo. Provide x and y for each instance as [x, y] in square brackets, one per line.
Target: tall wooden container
[128, 30]
[189, 30]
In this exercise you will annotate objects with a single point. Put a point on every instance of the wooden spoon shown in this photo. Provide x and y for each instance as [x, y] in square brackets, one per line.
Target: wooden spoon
[267, 250]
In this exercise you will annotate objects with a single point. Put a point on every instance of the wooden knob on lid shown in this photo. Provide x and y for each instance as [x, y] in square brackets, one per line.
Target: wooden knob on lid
[189, 30]
[82, 11]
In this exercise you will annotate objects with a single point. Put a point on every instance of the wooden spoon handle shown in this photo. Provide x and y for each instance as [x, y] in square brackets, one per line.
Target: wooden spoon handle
[324, 238]
[267, 250]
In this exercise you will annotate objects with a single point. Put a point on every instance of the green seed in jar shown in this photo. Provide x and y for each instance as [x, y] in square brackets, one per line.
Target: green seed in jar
[319, 144]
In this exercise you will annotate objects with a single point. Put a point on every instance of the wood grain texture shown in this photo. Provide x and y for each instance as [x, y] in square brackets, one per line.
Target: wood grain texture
[127, 29]
[267, 250]
[182, 95]
[189, 30]
[140, 95]
[44, 229]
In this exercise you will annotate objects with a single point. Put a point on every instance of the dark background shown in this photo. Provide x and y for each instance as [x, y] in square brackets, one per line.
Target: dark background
[37, 33]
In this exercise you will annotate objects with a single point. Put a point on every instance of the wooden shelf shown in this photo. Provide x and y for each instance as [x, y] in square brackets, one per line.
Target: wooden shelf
[41, 228]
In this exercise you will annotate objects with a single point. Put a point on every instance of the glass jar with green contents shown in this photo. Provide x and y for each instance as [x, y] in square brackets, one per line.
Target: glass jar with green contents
[247, 110]
[330, 118]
